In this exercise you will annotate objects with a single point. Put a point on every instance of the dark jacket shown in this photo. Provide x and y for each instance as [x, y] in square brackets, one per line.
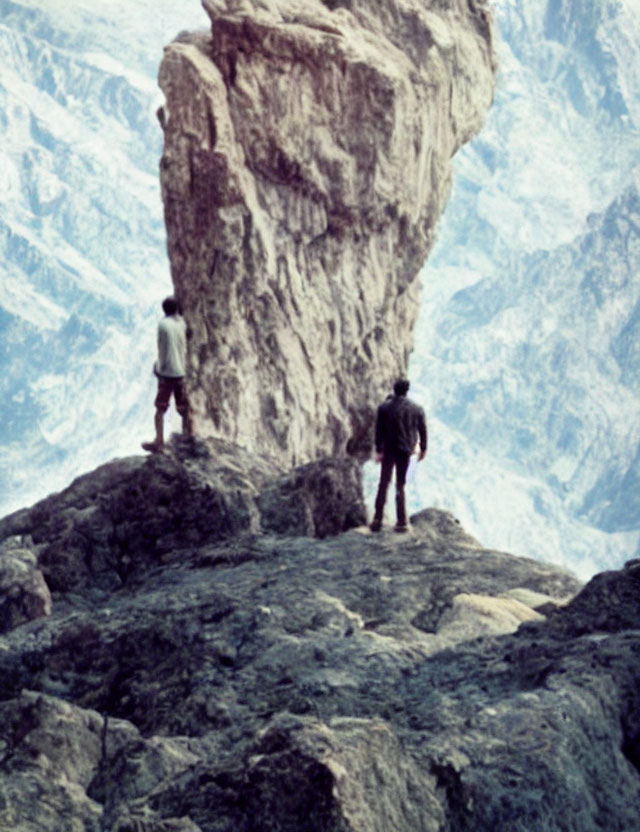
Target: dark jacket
[400, 423]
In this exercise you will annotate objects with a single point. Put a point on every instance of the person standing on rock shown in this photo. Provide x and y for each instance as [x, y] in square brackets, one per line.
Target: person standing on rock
[170, 371]
[400, 425]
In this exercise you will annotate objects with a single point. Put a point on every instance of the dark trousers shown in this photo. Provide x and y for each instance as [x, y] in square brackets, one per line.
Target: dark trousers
[399, 461]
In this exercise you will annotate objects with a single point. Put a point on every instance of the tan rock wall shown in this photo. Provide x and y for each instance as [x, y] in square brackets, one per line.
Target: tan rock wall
[306, 162]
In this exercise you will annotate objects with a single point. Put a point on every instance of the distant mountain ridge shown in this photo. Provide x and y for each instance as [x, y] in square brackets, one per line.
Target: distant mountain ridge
[82, 240]
[551, 172]
[526, 348]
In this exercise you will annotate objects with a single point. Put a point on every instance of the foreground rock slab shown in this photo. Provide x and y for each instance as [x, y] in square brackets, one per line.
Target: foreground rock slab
[264, 681]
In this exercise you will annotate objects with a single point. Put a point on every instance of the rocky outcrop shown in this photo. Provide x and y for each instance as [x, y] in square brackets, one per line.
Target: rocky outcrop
[248, 680]
[24, 594]
[306, 161]
[116, 523]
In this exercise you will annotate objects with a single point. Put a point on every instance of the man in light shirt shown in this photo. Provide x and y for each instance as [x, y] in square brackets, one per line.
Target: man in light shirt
[170, 371]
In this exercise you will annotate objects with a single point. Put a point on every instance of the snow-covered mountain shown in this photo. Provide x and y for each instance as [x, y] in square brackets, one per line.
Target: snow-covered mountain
[527, 352]
[82, 239]
[527, 348]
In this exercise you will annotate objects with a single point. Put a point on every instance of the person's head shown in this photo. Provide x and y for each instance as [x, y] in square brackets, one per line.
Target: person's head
[401, 387]
[170, 306]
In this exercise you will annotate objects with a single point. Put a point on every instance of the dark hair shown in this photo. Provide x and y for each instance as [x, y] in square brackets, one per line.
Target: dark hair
[401, 387]
[170, 306]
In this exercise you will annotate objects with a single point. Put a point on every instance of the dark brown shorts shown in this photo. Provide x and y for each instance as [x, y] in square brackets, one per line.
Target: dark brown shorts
[167, 387]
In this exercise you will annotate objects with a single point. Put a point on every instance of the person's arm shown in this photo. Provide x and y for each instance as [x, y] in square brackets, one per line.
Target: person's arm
[380, 432]
[423, 434]
[162, 347]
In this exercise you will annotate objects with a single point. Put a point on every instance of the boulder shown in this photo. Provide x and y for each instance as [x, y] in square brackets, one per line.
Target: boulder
[319, 499]
[24, 594]
[55, 758]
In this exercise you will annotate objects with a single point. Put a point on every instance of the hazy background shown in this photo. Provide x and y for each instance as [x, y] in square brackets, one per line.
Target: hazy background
[527, 352]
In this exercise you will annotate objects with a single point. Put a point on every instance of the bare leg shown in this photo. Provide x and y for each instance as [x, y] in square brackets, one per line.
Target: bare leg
[159, 425]
[158, 442]
[187, 425]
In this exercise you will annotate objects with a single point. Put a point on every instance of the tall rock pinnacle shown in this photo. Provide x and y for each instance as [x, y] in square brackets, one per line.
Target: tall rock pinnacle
[306, 162]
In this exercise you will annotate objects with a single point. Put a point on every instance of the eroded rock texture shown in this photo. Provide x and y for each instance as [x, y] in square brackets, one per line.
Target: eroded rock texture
[24, 594]
[306, 162]
[215, 676]
[116, 522]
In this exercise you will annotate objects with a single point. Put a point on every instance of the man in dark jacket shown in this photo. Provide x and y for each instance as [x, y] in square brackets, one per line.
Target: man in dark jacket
[400, 425]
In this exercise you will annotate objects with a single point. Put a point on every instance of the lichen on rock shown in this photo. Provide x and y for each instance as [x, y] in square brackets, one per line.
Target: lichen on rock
[306, 162]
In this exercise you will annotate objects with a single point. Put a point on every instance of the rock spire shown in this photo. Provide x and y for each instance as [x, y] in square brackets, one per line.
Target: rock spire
[306, 162]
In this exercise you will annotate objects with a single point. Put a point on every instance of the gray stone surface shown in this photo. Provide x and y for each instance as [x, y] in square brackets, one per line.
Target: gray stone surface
[24, 595]
[358, 682]
[307, 159]
[124, 518]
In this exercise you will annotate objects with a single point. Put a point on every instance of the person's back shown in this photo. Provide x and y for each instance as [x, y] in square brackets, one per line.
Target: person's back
[172, 346]
[400, 425]
[170, 369]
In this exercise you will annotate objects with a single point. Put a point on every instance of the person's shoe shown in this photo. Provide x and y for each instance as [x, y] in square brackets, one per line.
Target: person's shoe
[401, 527]
[376, 525]
[151, 447]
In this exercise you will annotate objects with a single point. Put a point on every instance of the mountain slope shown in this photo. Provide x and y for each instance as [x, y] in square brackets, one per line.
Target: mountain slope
[525, 346]
[547, 189]
[81, 235]
[202, 671]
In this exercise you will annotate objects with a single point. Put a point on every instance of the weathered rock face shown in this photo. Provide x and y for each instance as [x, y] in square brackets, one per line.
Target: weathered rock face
[24, 595]
[120, 520]
[306, 161]
[241, 680]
